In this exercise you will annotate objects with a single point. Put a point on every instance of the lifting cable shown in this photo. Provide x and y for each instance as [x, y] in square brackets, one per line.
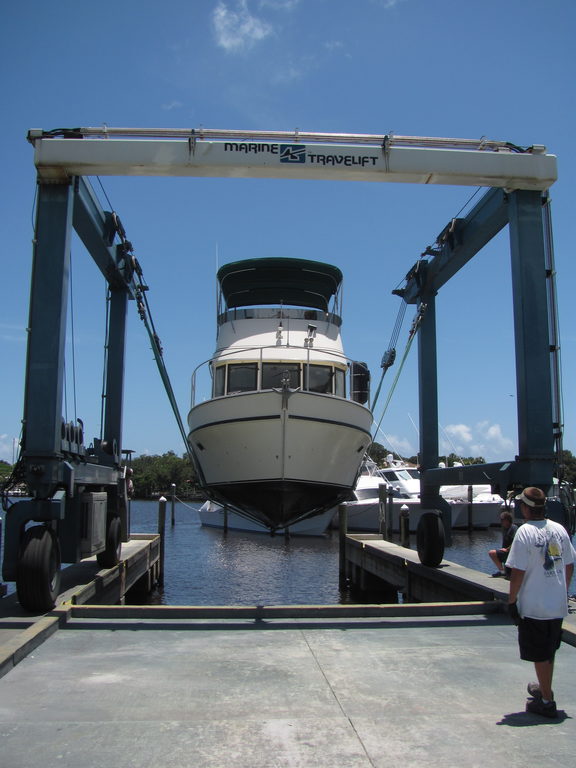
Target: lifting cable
[135, 273]
[411, 336]
[146, 317]
[390, 355]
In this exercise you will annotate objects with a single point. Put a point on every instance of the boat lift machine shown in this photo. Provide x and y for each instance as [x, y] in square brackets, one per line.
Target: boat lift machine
[79, 503]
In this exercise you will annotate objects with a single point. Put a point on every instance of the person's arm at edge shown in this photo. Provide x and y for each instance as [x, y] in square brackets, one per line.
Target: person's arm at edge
[569, 572]
[516, 579]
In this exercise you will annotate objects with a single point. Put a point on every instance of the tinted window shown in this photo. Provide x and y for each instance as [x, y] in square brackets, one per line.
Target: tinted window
[242, 377]
[339, 383]
[274, 373]
[319, 378]
[219, 378]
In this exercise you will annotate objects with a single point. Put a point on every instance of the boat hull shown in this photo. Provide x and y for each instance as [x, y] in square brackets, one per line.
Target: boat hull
[279, 456]
[213, 515]
[364, 516]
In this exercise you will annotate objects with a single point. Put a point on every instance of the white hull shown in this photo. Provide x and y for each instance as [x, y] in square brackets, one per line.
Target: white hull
[212, 515]
[365, 515]
[271, 450]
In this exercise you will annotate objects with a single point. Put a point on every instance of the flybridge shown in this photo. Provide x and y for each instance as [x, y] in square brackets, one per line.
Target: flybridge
[63, 153]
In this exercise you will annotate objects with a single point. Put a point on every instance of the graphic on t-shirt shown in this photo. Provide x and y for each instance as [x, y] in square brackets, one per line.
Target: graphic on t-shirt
[552, 552]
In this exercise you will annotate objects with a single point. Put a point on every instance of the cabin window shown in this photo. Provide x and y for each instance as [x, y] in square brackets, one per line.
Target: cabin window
[319, 378]
[339, 382]
[242, 377]
[219, 380]
[273, 374]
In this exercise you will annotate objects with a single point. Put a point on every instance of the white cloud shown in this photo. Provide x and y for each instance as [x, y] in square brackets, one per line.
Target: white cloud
[237, 29]
[492, 434]
[459, 432]
[388, 3]
[279, 5]
[400, 445]
[483, 439]
[172, 105]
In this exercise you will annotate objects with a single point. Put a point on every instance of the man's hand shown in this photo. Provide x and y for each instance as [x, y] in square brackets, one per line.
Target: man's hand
[513, 613]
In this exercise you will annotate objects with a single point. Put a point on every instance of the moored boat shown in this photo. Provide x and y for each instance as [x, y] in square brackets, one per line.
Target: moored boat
[284, 432]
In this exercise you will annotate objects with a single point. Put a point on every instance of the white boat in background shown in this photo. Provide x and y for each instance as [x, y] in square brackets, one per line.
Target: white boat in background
[403, 481]
[286, 427]
[214, 515]
[404, 478]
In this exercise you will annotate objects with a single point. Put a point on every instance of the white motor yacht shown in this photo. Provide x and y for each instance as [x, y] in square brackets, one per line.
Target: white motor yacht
[285, 428]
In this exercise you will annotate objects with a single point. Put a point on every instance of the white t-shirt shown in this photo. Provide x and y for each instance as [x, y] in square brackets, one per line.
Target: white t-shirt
[542, 549]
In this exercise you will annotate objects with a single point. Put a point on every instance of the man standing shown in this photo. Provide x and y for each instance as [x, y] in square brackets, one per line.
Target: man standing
[542, 561]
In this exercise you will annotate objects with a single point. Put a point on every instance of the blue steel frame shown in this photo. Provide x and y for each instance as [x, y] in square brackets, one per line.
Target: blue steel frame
[56, 463]
[534, 465]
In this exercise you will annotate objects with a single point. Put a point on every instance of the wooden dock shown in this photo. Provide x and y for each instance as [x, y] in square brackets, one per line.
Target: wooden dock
[372, 563]
[85, 582]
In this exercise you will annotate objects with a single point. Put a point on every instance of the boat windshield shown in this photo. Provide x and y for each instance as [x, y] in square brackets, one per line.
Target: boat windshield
[230, 378]
[366, 493]
[400, 474]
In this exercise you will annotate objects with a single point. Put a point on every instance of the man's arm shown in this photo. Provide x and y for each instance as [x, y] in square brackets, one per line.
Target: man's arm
[516, 579]
[569, 572]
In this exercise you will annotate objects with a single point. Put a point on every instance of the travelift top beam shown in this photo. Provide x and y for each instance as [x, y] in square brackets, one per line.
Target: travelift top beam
[264, 154]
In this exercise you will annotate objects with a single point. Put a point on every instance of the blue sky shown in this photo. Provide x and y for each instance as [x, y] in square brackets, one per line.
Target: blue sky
[504, 70]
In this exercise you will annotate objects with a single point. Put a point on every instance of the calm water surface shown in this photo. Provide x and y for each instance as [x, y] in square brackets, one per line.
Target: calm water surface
[204, 566]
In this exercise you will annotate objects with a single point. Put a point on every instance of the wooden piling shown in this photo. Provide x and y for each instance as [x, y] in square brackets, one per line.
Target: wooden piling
[161, 531]
[342, 532]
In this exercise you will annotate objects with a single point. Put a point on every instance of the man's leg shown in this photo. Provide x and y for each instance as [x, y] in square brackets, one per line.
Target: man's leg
[496, 560]
[544, 673]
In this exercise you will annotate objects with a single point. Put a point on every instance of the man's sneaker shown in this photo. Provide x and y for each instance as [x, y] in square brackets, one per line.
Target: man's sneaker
[538, 707]
[534, 691]
[497, 575]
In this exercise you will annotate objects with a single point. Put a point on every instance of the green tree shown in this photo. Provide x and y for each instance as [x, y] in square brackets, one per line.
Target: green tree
[378, 453]
[5, 470]
[154, 475]
[568, 467]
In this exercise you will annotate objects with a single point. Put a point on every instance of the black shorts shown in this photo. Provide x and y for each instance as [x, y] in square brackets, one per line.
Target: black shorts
[539, 639]
[502, 555]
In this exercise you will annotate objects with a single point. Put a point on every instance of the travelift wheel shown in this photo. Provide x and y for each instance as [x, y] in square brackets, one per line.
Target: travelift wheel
[430, 539]
[111, 555]
[38, 570]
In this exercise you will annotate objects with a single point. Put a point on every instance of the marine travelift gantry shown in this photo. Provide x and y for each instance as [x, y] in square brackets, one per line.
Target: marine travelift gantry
[79, 503]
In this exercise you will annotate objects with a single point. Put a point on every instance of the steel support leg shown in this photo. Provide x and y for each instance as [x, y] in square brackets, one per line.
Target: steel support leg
[47, 335]
[532, 332]
[428, 387]
[115, 370]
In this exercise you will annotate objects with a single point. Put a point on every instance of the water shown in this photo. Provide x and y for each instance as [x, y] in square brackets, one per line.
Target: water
[204, 566]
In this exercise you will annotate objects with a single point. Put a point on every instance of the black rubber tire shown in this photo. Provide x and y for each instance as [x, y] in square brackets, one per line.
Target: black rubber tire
[38, 570]
[111, 555]
[430, 539]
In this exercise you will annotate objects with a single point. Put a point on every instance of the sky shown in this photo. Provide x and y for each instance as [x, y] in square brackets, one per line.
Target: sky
[503, 70]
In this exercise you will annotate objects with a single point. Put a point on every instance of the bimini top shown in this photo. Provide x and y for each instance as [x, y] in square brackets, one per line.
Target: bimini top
[296, 282]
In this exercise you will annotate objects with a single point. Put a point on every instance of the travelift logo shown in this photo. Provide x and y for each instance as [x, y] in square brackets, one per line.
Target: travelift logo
[292, 153]
[305, 154]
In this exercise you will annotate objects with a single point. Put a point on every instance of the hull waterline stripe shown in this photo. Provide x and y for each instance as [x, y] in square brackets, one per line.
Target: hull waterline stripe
[331, 421]
[233, 421]
[271, 418]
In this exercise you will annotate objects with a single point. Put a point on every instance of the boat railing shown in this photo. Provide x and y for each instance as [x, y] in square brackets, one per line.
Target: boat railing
[352, 385]
[275, 313]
